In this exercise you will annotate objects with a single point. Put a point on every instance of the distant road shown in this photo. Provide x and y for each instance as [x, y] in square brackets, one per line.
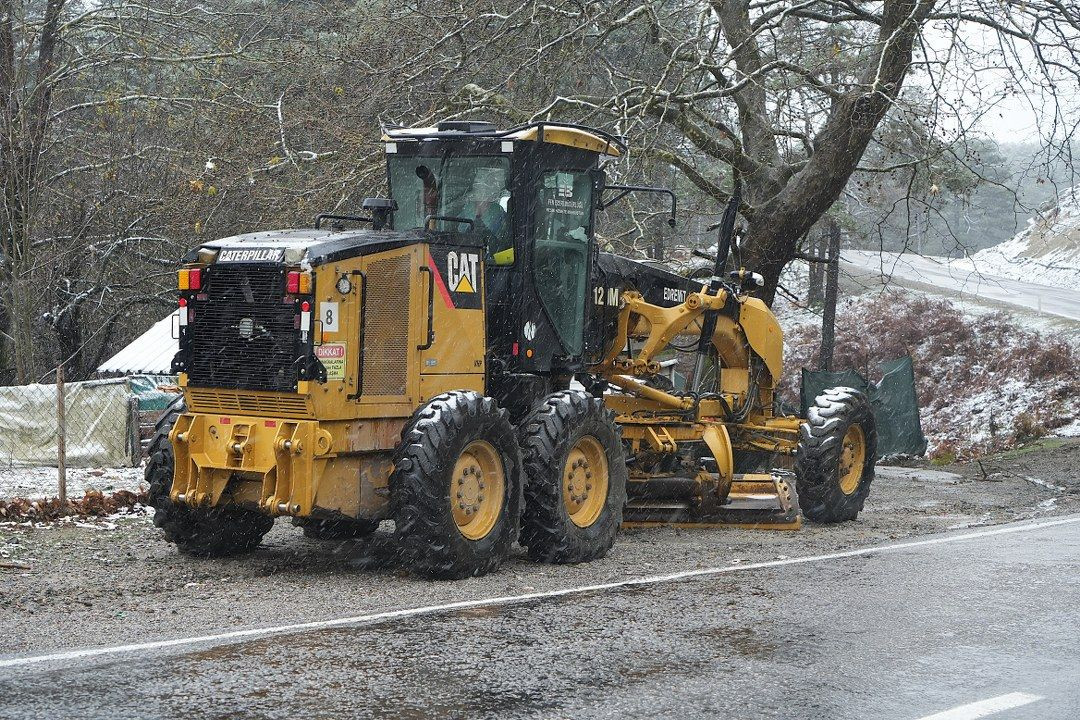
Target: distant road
[911, 269]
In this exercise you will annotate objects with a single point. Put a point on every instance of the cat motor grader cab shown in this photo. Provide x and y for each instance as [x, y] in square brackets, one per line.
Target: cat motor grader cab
[465, 361]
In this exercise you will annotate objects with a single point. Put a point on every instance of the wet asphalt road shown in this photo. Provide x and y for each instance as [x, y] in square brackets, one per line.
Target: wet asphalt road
[898, 634]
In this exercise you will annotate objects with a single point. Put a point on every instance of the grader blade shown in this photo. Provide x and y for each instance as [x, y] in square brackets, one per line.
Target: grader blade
[755, 501]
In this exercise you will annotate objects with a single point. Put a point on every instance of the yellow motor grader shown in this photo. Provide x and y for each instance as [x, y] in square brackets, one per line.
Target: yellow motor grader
[463, 360]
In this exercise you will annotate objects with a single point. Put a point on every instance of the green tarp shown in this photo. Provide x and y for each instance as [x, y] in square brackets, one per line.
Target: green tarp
[896, 407]
[147, 389]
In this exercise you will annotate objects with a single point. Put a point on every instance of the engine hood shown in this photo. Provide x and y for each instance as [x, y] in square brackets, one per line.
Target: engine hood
[317, 247]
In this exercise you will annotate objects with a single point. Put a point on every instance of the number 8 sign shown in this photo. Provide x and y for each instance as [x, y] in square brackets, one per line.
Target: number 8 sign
[328, 316]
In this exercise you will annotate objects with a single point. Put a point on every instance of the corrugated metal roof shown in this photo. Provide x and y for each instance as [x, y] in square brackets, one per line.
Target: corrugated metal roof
[149, 354]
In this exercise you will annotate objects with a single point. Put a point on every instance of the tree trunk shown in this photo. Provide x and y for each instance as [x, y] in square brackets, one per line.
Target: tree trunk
[70, 343]
[19, 294]
[24, 120]
[23, 311]
[20, 298]
[778, 222]
[7, 349]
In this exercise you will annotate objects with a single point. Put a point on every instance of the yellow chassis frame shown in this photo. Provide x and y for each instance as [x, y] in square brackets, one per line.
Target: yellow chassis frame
[658, 421]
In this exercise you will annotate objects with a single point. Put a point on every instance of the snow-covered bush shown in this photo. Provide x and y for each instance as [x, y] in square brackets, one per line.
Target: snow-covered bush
[983, 382]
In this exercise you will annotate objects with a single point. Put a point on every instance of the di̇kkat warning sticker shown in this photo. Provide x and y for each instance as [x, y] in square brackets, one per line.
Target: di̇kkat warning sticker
[332, 356]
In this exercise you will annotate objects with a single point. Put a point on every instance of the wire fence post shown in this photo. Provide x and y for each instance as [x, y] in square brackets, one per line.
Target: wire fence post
[61, 436]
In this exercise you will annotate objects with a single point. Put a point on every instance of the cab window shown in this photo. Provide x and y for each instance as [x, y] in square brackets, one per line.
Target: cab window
[474, 187]
[562, 223]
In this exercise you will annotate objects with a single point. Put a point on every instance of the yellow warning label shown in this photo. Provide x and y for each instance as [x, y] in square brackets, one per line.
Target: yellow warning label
[464, 285]
[332, 356]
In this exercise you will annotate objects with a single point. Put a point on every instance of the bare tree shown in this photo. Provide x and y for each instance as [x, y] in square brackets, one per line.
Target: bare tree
[130, 131]
[779, 97]
[90, 91]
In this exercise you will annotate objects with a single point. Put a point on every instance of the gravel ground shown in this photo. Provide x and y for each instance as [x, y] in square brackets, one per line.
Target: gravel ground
[117, 581]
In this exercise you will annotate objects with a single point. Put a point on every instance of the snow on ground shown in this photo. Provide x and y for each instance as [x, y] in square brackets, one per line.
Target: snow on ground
[1038, 269]
[944, 277]
[1047, 251]
[40, 482]
[985, 379]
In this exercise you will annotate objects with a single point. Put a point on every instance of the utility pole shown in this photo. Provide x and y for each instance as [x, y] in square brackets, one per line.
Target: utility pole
[817, 272]
[832, 282]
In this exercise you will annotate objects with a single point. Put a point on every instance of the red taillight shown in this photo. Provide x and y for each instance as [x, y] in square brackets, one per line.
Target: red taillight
[298, 282]
[183, 302]
[305, 306]
[194, 279]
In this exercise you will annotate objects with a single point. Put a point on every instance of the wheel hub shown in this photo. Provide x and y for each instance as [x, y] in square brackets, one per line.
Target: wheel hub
[852, 459]
[585, 481]
[476, 490]
[470, 489]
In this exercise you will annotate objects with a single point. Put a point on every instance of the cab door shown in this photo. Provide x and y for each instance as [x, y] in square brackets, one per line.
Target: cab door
[562, 242]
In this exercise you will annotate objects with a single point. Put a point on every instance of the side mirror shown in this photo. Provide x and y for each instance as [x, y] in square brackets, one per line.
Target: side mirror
[624, 190]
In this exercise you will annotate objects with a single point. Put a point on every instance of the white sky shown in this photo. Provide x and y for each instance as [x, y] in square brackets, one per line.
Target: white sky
[986, 94]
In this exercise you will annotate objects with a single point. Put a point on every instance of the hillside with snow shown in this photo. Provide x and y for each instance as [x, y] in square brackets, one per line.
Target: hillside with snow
[995, 337]
[985, 381]
[1046, 252]
[1038, 269]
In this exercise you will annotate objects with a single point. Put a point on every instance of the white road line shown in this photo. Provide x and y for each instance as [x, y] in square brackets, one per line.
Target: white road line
[516, 599]
[983, 708]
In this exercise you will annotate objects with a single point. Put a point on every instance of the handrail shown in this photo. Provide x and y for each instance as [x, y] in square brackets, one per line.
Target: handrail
[428, 219]
[329, 216]
[430, 310]
[363, 328]
[627, 189]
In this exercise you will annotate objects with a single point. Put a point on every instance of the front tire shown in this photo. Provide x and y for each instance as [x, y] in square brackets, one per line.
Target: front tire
[834, 460]
[575, 479]
[456, 486]
[202, 532]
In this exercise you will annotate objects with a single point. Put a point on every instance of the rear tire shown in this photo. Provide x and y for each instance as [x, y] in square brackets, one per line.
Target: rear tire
[340, 529]
[455, 491]
[834, 460]
[575, 478]
[203, 532]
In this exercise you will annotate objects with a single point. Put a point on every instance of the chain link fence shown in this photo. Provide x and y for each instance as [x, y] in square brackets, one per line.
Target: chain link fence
[65, 426]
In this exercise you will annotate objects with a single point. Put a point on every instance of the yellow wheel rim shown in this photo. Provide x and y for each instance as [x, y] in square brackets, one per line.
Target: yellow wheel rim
[477, 487]
[585, 481]
[852, 458]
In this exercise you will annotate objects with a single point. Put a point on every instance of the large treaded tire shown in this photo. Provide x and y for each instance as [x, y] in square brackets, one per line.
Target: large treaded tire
[547, 437]
[818, 453]
[339, 529]
[420, 484]
[203, 532]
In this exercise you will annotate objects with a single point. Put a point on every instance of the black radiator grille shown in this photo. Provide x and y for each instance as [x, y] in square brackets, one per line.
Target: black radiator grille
[243, 335]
